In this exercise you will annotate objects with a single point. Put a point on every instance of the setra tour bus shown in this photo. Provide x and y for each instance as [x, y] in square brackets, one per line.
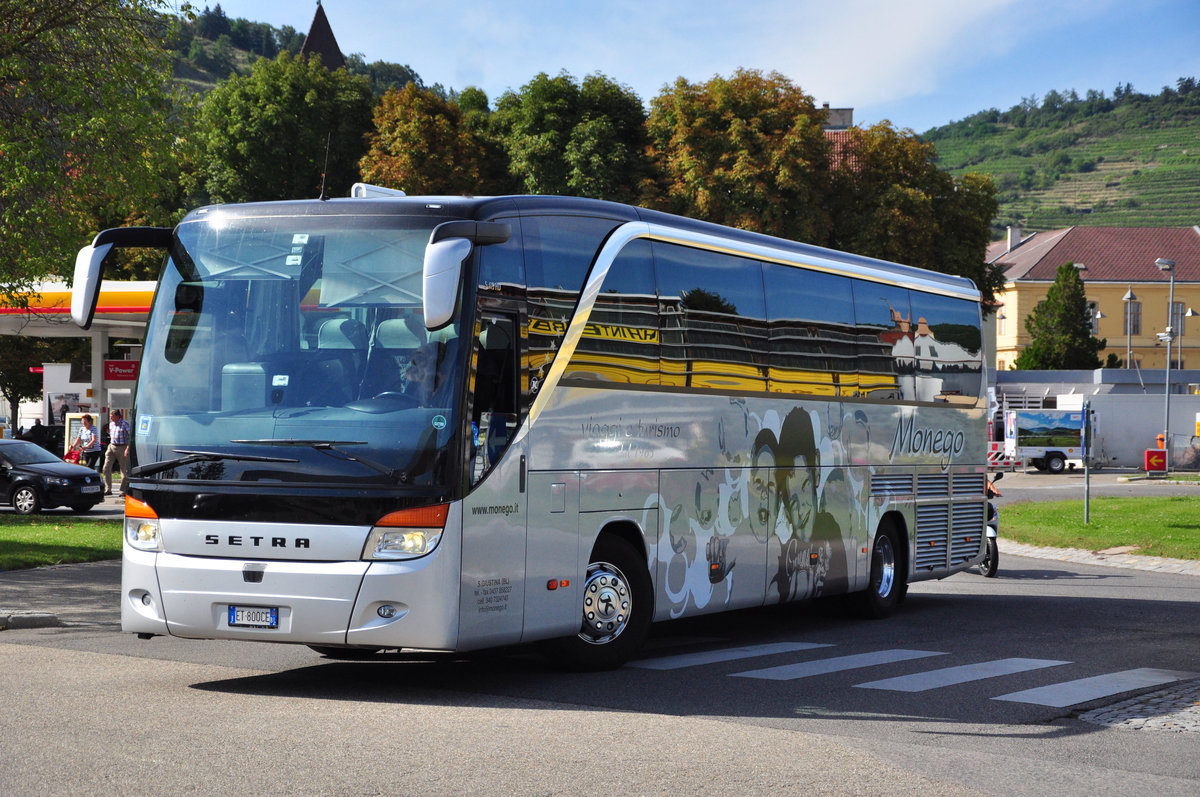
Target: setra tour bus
[450, 423]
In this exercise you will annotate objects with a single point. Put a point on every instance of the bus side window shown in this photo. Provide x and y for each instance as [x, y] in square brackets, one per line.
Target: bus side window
[494, 414]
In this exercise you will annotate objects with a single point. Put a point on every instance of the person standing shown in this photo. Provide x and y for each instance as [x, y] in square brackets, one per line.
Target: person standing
[88, 442]
[118, 451]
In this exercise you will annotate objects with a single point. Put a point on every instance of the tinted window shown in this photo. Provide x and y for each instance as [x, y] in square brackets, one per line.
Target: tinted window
[620, 342]
[810, 315]
[558, 253]
[947, 348]
[885, 340]
[713, 319]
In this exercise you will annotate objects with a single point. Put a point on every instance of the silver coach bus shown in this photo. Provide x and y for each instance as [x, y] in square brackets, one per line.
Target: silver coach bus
[452, 423]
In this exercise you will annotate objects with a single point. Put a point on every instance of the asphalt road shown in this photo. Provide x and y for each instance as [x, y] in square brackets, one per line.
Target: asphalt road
[993, 691]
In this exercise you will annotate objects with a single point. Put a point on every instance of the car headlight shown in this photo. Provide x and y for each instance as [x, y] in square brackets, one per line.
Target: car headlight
[406, 534]
[54, 481]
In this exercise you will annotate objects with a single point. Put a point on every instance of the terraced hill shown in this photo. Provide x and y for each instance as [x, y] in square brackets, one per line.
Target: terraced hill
[1132, 163]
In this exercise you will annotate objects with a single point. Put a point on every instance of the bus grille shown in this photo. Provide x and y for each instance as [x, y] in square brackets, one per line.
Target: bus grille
[933, 485]
[932, 522]
[892, 484]
[969, 483]
[966, 532]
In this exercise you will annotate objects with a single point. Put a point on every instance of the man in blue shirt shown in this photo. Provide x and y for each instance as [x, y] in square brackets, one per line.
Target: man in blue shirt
[118, 451]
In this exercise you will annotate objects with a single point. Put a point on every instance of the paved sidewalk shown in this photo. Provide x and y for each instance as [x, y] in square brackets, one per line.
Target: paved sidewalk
[1113, 557]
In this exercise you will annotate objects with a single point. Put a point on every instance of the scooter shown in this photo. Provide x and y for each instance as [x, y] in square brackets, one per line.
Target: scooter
[991, 561]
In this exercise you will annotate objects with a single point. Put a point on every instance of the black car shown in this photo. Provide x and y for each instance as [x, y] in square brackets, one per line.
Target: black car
[32, 479]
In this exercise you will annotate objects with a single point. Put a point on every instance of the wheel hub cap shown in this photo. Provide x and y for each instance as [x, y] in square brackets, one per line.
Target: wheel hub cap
[606, 604]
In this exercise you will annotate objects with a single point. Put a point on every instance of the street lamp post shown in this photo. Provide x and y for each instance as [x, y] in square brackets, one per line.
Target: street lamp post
[1169, 335]
[1127, 298]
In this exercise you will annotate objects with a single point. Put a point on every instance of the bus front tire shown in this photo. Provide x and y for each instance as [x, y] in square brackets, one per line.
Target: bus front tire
[616, 607]
[888, 584]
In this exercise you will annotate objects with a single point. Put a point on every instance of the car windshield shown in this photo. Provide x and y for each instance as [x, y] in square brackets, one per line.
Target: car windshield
[22, 453]
[294, 349]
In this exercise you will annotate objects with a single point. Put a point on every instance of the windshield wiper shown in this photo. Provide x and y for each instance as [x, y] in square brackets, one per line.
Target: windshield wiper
[200, 456]
[331, 447]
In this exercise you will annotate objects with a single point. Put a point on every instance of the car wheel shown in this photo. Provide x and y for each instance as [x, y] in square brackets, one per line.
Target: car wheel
[25, 500]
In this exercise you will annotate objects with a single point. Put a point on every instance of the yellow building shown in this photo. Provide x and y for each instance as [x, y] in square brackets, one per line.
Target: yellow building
[1126, 290]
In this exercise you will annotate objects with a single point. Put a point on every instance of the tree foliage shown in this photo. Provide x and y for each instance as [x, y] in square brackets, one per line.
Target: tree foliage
[424, 144]
[265, 135]
[562, 137]
[1060, 328]
[891, 201]
[85, 112]
[746, 151]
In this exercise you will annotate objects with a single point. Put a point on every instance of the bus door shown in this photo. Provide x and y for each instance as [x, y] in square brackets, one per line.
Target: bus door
[495, 509]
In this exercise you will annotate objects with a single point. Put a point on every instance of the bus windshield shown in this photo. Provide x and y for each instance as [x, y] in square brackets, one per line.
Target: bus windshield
[294, 349]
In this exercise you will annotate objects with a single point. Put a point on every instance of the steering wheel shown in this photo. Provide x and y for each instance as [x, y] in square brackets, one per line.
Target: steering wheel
[408, 401]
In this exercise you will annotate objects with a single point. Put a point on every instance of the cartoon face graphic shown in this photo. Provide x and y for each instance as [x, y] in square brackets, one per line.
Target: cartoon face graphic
[799, 502]
[762, 491]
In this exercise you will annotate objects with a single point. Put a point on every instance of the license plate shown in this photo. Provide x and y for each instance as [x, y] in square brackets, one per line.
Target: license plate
[91, 488]
[254, 616]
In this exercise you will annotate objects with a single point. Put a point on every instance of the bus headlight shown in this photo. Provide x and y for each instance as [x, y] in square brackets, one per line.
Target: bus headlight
[143, 530]
[143, 533]
[406, 534]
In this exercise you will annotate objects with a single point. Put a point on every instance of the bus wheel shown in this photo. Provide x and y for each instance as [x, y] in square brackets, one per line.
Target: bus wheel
[887, 584]
[616, 607]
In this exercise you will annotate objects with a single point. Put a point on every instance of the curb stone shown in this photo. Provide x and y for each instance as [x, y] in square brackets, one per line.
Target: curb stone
[25, 620]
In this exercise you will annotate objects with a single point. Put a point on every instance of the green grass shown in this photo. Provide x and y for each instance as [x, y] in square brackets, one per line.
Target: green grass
[37, 540]
[1163, 526]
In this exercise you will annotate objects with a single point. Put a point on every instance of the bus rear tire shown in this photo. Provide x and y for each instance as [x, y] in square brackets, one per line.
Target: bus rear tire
[888, 584]
[616, 607]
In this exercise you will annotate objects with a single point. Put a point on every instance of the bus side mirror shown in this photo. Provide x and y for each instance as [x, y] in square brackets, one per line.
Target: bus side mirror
[450, 244]
[441, 274]
[89, 265]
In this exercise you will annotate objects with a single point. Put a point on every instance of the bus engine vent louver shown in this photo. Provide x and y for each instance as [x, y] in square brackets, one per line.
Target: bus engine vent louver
[933, 485]
[892, 484]
[932, 526]
[966, 484]
[966, 532]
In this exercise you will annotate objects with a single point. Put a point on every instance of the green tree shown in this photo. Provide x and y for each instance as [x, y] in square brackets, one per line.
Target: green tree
[566, 138]
[1060, 328]
[265, 135]
[424, 144]
[746, 151]
[84, 111]
[890, 200]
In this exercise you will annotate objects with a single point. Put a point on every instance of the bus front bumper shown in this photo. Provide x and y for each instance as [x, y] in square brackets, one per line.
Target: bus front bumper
[387, 605]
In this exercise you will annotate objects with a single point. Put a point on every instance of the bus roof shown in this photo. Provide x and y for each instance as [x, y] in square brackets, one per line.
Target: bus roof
[483, 208]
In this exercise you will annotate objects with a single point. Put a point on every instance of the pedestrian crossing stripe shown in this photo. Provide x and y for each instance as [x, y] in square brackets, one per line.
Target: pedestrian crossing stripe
[1083, 690]
[723, 654]
[807, 669]
[949, 676]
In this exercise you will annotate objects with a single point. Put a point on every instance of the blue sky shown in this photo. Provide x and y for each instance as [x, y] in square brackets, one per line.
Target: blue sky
[919, 63]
